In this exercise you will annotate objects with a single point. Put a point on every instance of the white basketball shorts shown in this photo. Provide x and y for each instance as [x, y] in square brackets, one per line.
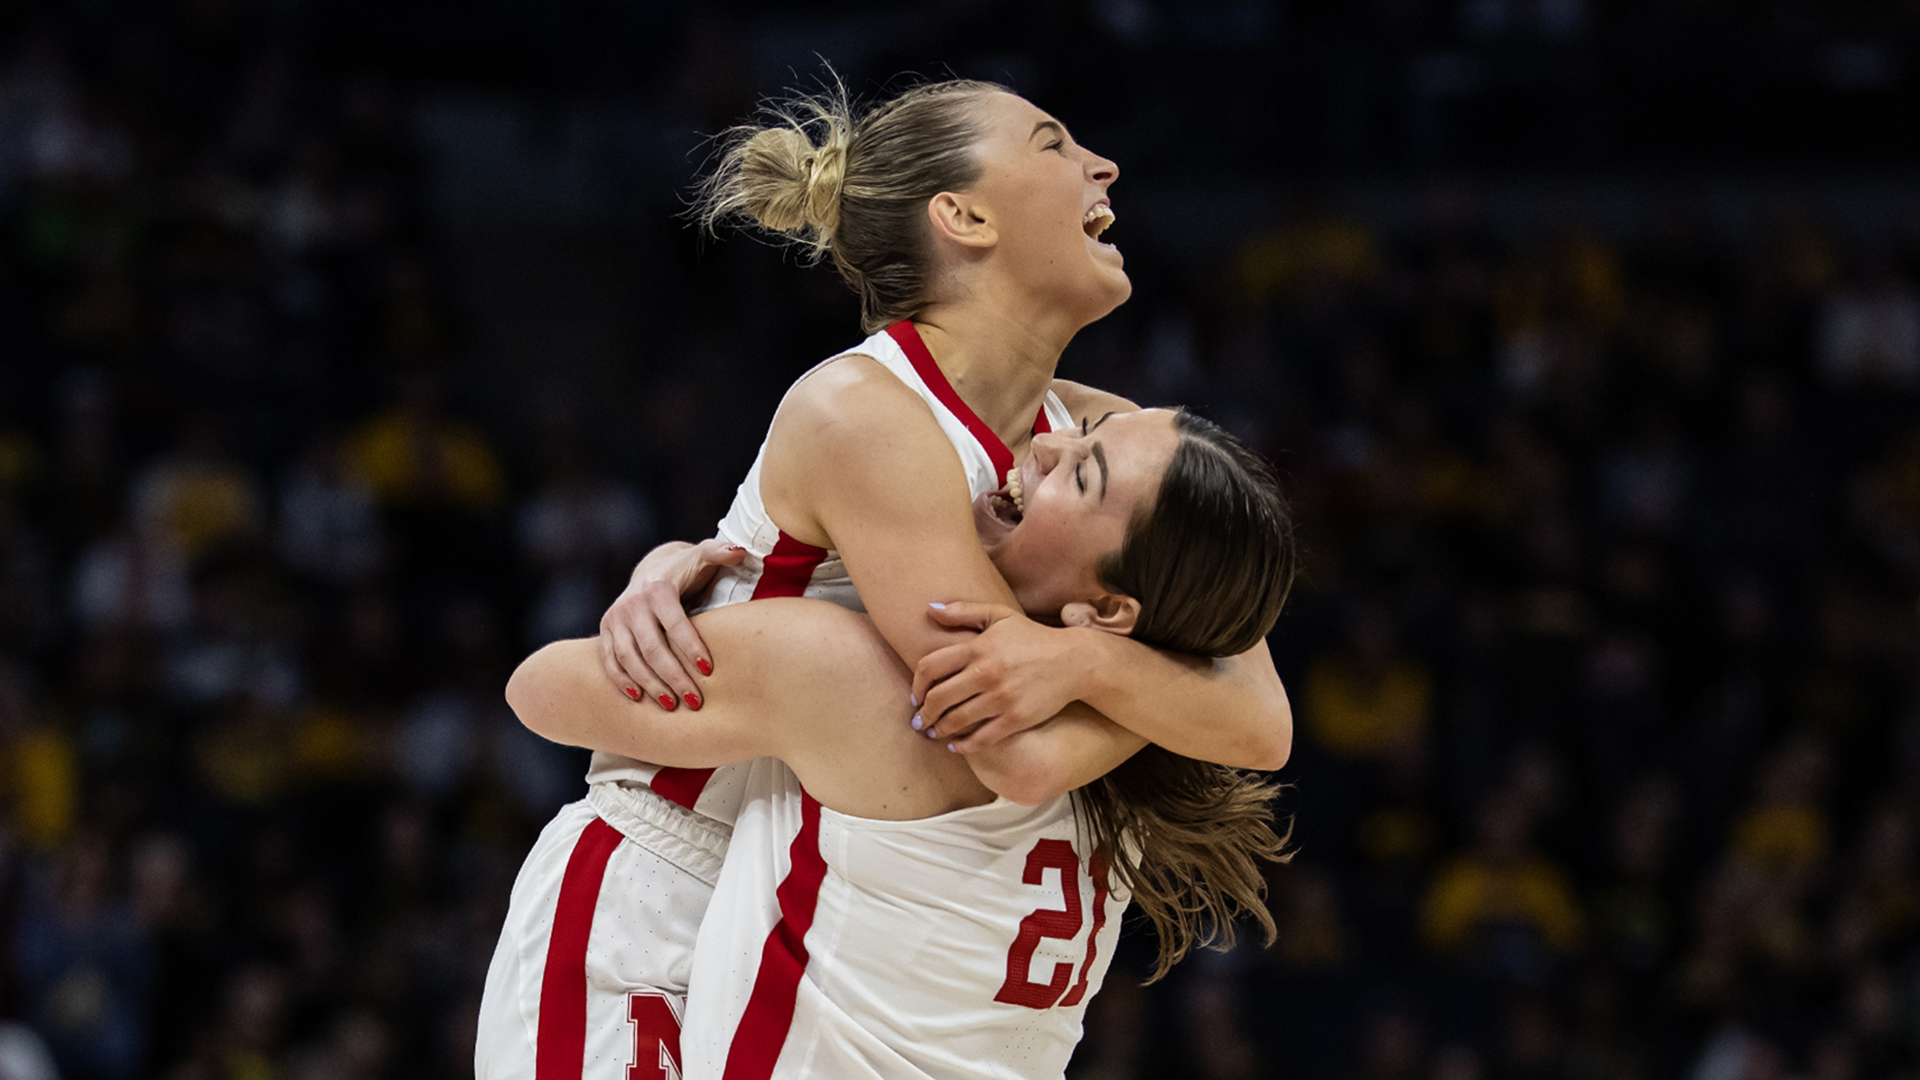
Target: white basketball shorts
[589, 980]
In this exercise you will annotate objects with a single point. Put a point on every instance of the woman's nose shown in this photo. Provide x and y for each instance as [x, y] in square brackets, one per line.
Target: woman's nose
[1046, 451]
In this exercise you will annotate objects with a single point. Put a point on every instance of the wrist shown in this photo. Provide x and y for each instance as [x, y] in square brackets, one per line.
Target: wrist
[643, 570]
[1087, 656]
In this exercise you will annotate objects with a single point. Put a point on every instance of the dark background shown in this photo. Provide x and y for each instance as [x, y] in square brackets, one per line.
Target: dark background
[350, 350]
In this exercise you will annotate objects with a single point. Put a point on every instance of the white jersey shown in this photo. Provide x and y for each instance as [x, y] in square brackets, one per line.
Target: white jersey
[961, 945]
[778, 565]
[590, 975]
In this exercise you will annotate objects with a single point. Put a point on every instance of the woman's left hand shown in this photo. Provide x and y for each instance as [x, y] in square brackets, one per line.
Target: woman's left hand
[1014, 675]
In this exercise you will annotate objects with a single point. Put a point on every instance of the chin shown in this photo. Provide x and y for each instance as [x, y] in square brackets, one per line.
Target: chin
[1110, 289]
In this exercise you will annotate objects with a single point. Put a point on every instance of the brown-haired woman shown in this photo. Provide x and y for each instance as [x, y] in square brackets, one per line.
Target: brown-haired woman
[880, 913]
[967, 220]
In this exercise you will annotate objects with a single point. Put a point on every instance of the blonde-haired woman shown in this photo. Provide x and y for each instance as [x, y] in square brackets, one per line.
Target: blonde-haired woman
[967, 220]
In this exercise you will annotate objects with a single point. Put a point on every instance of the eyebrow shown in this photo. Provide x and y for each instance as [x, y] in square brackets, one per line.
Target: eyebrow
[1100, 455]
[1044, 124]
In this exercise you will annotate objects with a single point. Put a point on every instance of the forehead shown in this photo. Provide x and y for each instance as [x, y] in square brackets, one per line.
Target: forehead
[1139, 444]
[1010, 116]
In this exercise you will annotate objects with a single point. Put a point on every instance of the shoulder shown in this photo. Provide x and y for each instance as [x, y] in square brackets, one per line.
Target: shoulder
[1087, 403]
[853, 401]
[847, 382]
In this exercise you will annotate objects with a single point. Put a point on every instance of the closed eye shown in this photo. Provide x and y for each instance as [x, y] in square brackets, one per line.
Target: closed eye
[1080, 477]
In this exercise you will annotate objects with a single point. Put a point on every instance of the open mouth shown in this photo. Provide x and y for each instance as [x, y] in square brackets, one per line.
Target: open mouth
[997, 513]
[1009, 504]
[1097, 221]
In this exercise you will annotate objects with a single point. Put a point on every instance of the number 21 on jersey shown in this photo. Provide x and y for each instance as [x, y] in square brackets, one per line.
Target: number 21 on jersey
[1061, 923]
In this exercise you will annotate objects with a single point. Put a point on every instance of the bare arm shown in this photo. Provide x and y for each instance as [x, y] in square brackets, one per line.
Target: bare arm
[1069, 751]
[855, 461]
[976, 691]
[805, 681]
[559, 693]
[886, 491]
[1233, 710]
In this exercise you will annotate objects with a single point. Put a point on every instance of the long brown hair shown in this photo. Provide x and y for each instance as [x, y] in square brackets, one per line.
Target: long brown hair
[1211, 561]
[852, 184]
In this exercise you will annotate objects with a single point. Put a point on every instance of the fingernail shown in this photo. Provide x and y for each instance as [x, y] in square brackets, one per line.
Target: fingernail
[735, 547]
[705, 668]
[632, 693]
[667, 702]
[938, 607]
[917, 722]
[693, 702]
[912, 699]
[950, 747]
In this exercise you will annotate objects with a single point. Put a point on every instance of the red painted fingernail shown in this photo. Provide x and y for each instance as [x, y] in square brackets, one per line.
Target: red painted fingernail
[632, 693]
[667, 702]
[705, 668]
[693, 702]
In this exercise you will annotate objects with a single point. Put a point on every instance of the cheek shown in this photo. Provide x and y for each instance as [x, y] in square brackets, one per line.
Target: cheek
[1045, 212]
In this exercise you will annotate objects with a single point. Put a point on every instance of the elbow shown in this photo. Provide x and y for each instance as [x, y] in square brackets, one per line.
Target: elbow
[523, 696]
[1274, 745]
[1274, 754]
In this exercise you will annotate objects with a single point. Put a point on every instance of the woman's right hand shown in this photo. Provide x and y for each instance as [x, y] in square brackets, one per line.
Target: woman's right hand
[647, 643]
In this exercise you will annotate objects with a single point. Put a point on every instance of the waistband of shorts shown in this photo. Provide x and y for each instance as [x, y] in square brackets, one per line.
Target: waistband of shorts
[689, 841]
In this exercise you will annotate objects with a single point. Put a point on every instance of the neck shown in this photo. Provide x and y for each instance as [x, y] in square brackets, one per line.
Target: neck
[1000, 359]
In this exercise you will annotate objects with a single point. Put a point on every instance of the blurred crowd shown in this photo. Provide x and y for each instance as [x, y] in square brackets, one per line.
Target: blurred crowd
[1605, 661]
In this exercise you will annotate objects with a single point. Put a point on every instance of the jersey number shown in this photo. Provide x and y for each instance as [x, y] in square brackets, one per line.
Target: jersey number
[656, 1036]
[1062, 923]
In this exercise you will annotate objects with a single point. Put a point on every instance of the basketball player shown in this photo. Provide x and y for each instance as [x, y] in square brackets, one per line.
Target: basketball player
[880, 913]
[967, 221]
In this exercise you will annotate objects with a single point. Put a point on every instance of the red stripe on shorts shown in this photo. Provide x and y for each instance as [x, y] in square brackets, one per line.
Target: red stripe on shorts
[561, 1044]
[769, 1016]
[682, 787]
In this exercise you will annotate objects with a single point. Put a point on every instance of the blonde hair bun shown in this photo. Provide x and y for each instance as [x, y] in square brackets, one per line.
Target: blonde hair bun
[790, 184]
[815, 176]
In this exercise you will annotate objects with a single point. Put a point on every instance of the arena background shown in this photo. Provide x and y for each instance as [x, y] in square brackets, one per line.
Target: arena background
[350, 350]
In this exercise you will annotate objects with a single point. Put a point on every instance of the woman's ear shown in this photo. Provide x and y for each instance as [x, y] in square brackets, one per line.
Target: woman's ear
[959, 219]
[1111, 612]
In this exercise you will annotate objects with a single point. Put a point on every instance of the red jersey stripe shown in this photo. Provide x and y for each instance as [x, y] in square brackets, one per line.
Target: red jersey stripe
[909, 341]
[1101, 870]
[769, 1015]
[788, 570]
[560, 1045]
